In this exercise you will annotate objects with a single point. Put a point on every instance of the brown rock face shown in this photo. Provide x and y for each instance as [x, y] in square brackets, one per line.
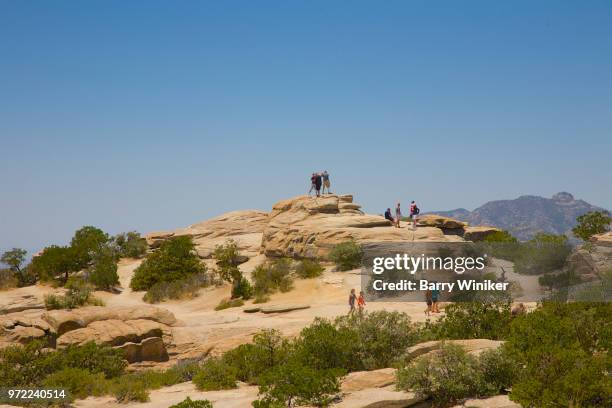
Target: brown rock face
[244, 227]
[592, 261]
[473, 346]
[309, 227]
[62, 321]
[476, 234]
[438, 221]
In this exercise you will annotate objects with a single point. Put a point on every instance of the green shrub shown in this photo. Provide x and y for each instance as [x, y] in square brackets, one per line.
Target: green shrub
[185, 288]
[544, 253]
[474, 320]
[272, 276]
[215, 374]
[78, 382]
[251, 360]
[189, 403]
[381, 337]
[261, 298]
[174, 260]
[591, 223]
[128, 389]
[499, 369]
[28, 365]
[130, 245]
[242, 288]
[564, 349]
[321, 345]
[103, 271]
[227, 303]
[78, 294]
[446, 376]
[307, 269]
[293, 384]
[346, 255]
[500, 236]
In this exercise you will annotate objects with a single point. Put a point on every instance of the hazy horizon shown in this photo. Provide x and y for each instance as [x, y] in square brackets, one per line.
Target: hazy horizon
[133, 116]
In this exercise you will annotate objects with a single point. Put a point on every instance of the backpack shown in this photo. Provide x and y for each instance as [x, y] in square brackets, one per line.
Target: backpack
[417, 210]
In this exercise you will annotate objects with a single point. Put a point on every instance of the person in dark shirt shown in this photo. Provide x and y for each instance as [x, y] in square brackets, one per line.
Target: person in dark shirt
[318, 183]
[388, 215]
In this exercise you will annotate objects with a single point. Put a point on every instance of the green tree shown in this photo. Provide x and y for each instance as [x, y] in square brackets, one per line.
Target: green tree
[175, 259]
[103, 271]
[591, 223]
[87, 241]
[189, 403]
[14, 258]
[215, 374]
[228, 258]
[55, 262]
[293, 384]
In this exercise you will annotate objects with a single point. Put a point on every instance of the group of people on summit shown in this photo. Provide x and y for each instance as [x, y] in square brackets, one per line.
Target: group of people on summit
[318, 180]
[414, 213]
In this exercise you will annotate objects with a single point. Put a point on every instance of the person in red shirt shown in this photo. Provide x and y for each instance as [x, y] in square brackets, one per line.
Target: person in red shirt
[361, 302]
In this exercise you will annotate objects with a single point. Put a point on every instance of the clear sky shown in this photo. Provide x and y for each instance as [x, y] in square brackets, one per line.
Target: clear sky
[152, 115]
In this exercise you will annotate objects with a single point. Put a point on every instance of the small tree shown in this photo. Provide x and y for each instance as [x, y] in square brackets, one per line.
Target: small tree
[86, 242]
[591, 223]
[55, 262]
[175, 259]
[103, 272]
[14, 258]
[228, 258]
[189, 403]
[293, 384]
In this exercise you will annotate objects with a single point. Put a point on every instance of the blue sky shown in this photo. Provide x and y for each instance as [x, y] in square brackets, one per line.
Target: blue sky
[155, 115]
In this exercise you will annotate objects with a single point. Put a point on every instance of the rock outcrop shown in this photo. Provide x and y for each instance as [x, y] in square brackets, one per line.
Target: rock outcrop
[591, 261]
[244, 227]
[310, 227]
[473, 346]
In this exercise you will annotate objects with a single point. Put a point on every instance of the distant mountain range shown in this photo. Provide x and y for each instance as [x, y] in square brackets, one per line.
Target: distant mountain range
[527, 215]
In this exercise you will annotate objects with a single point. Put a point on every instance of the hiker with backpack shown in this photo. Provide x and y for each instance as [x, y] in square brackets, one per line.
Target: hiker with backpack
[313, 184]
[318, 183]
[326, 183]
[414, 213]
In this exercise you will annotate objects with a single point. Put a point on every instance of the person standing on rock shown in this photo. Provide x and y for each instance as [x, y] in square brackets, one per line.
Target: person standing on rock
[398, 215]
[326, 183]
[352, 300]
[414, 213]
[429, 301]
[313, 184]
[435, 297]
[318, 182]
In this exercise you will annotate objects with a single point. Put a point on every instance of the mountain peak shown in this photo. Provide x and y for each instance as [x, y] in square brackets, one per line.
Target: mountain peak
[563, 197]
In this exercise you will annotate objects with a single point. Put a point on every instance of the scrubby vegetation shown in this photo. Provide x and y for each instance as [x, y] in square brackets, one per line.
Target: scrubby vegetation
[189, 403]
[227, 303]
[308, 269]
[450, 375]
[214, 374]
[228, 258]
[130, 245]
[185, 288]
[273, 276]
[78, 294]
[103, 270]
[14, 275]
[347, 255]
[174, 260]
[591, 223]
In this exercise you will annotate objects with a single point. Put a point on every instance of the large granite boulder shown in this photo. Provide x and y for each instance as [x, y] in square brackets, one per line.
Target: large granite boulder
[439, 221]
[311, 226]
[62, 321]
[472, 346]
[244, 227]
[478, 233]
[591, 261]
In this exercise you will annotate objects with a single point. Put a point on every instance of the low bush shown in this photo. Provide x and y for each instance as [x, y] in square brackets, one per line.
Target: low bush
[293, 384]
[242, 288]
[473, 320]
[261, 298]
[544, 253]
[174, 260]
[30, 364]
[129, 389]
[591, 223]
[78, 294]
[446, 376]
[215, 374]
[499, 369]
[189, 403]
[307, 269]
[251, 360]
[227, 303]
[130, 245]
[78, 382]
[273, 276]
[347, 255]
[185, 288]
